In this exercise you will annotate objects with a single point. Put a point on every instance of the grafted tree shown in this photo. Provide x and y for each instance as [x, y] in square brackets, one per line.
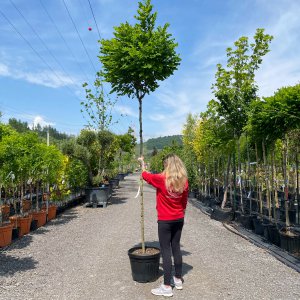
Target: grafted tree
[136, 59]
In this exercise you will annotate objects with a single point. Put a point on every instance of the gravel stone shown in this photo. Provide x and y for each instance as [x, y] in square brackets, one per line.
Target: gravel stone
[83, 255]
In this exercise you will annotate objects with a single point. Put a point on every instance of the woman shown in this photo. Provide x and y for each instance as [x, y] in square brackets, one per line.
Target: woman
[171, 200]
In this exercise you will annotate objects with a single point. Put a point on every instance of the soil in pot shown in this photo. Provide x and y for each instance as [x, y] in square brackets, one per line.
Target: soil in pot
[144, 266]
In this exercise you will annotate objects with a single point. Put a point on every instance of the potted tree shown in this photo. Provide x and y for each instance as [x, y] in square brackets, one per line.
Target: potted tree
[134, 61]
[98, 107]
[16, 152]
[234, 91]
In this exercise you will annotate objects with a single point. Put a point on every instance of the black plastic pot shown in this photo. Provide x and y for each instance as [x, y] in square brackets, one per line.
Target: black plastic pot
[247, 221]
[33, 225]
[223, 215]
[144, 268]
[267, 231]
[290, 242]
[15, 233]
[191, 194]
[292, 215]
[114, 183]
[258, 227]
[274, 236]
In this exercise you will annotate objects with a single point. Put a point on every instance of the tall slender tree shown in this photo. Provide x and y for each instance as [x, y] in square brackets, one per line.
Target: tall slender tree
[136, 59]
[235, 87]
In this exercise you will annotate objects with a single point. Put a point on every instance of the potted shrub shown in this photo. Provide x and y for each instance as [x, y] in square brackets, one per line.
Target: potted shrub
[133, 63]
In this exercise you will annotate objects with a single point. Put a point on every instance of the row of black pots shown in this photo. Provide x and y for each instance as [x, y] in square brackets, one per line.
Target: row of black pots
[275, 233]
[223, 215]
[69, 204]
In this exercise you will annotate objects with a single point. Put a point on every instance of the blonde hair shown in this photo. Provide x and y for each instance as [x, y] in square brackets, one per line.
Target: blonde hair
[175, 173]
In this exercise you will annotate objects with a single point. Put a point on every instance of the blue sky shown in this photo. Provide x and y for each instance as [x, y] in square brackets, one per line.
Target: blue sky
[43, 62]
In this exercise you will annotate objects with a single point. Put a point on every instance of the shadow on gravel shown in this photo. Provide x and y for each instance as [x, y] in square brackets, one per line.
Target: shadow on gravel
[62, 219]
[41, 230]
[133, 189]
[11, 265]
[20, 243]
[185, 267]
[118, 200]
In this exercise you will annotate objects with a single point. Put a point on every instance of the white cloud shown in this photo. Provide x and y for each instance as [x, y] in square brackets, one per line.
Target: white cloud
[4, 71]
[157, 117]
[281, 66]
[46, 78]
[40, 120]
[126, 110]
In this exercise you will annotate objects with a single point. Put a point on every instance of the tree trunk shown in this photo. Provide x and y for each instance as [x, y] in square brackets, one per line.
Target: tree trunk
[275, 181]
[285, 178]
[234, 183]
[22, 195]
[226, 182]
[266, 179]
[297, 184]
[273, 186]
[259, 186]
[240, 174]
[218, 175]
[214, 180]
[37, 196]
[141, 181]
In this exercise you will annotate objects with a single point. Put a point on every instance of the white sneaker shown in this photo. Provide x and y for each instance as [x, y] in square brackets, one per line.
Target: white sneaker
[163, 291]
[178, 283]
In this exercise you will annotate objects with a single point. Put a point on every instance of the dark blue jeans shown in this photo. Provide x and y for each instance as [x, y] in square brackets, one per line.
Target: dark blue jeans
[169, 234]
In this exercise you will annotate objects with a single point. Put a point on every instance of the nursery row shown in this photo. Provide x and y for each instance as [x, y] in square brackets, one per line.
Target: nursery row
[21, 217]
[271, 226]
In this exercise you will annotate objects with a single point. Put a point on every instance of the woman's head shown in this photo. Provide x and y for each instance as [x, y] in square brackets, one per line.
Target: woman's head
[175, 172]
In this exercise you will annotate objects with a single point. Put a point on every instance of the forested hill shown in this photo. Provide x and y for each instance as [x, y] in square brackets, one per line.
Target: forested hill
[160, 142]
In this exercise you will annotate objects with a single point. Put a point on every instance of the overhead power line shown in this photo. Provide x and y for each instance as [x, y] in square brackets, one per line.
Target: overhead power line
[64, 40]
[80, 37]
[30, 46]
[44, 44]
[95, 20]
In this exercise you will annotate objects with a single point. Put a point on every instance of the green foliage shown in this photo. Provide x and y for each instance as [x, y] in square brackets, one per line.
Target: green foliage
[162, 142]
[235, 87]
[22, 127]
[275, 116]
[18, 125]
[26, 157]
[139, 55]
[97, 106]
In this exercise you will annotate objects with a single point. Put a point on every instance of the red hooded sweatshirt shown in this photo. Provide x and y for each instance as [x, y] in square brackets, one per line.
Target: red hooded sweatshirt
[169, 206]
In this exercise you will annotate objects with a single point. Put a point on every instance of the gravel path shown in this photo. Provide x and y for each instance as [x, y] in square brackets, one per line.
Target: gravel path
[83, 255]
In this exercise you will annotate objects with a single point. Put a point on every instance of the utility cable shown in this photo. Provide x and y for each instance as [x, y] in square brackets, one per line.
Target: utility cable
[30, 46]
[79, 36]
[44, 44]
[63, 39]
[95, 20]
